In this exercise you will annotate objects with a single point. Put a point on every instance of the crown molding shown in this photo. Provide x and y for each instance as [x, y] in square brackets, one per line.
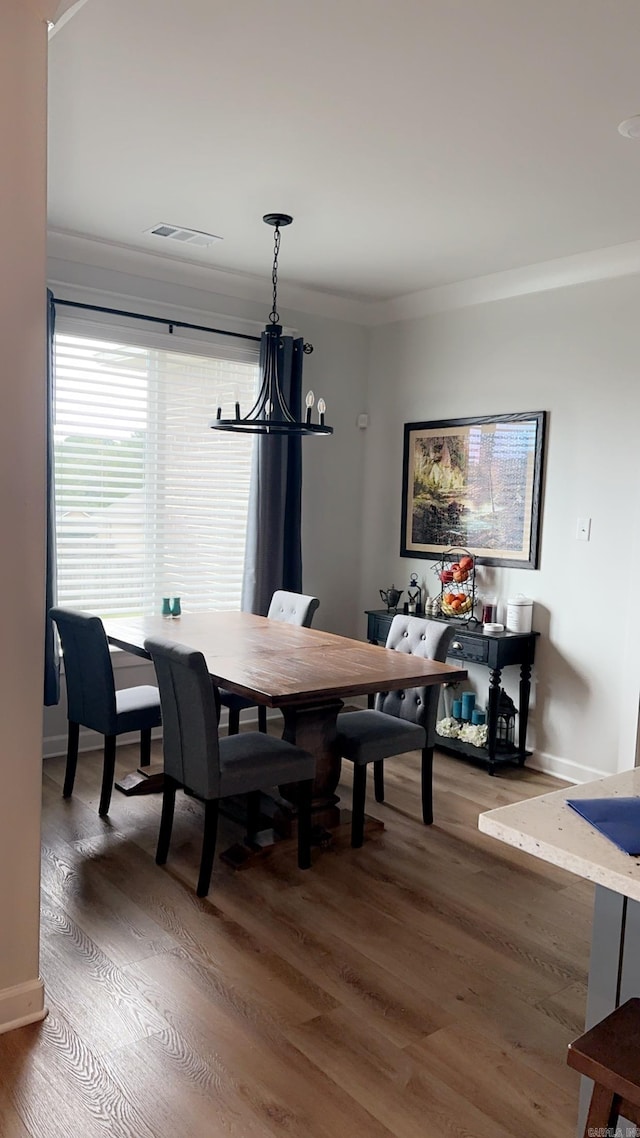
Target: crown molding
[65, 10]
[79, 248]
[563, 272]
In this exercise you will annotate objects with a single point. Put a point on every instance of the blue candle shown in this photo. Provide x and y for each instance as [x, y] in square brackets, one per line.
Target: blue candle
[468, 701]
[477, 716]
[456, 709]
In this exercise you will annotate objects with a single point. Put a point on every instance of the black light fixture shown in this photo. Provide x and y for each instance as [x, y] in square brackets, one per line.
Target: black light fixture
[271, 414]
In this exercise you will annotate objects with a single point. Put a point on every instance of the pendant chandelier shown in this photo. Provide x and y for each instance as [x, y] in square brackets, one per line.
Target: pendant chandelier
[271, 414]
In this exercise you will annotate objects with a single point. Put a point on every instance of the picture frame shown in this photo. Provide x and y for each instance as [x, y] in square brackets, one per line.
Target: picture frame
[475, 484]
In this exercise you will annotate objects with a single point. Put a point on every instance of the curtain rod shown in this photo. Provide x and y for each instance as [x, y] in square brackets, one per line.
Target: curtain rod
[170, 324]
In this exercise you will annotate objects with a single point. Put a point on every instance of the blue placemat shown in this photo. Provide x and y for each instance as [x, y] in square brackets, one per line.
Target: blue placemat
[617, 818]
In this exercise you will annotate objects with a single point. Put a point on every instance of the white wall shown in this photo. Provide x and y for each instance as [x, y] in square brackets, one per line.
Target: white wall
[573, 352]
[23, 48]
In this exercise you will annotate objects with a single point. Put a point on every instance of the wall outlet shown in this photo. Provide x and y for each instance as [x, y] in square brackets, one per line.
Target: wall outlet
[583, 529]
[363, 421]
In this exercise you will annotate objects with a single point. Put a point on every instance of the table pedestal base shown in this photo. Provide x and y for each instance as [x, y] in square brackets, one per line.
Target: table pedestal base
[144, 780]
[244, 855]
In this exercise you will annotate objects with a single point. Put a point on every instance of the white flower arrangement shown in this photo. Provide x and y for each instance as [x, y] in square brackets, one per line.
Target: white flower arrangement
[474, 733]
[449, 728]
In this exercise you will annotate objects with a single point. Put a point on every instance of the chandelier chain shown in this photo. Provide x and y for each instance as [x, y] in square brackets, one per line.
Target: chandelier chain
[274, 315]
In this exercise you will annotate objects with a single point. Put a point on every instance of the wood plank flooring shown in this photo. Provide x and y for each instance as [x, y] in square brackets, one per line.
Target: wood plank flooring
[425, 986]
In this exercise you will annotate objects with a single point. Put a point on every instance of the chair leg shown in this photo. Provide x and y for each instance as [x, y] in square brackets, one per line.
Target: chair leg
[378, 779]
[166, 819]
[427, 786]
[262, 718]
[145, 747]
[305, 796]
[253, 815]
[234, 722]
[208, 845]
[603, 1112]
[359, 796]
[108, 774]
[72, 759]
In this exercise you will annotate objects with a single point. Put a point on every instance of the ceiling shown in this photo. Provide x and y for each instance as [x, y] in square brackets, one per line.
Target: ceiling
[416, 142]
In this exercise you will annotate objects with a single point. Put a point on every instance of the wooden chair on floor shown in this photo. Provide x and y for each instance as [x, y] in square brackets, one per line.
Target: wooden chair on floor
[210, 768]
[400, 721]
[291, 608]
[610, 1055]
[92, 699]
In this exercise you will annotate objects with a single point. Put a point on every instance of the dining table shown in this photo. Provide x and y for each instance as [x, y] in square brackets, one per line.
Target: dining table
[306, 673]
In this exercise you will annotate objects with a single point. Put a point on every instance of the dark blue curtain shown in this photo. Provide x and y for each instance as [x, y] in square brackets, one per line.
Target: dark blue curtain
[51, 657]
[273, 558]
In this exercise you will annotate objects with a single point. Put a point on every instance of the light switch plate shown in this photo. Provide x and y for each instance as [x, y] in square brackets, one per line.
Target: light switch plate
[583, 529]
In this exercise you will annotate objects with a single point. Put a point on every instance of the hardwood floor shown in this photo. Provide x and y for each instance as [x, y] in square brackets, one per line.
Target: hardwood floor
[424, 986]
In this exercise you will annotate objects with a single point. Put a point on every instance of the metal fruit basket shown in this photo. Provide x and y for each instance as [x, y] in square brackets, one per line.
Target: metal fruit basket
[457, 575]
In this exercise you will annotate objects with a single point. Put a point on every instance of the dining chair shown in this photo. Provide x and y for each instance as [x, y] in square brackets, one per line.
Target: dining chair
[400, 721]
[205, 766]
[92, 699]
[290, 608]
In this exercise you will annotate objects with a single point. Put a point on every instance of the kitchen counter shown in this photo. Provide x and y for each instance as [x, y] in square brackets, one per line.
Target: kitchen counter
[549, 829]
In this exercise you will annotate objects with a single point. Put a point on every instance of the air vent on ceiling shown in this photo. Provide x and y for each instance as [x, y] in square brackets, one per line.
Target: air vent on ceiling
[184, 236]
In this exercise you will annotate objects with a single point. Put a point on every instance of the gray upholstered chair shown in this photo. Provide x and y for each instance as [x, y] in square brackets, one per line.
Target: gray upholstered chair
[291, 608]
[400, 721]
[92, 700]
[210, 768]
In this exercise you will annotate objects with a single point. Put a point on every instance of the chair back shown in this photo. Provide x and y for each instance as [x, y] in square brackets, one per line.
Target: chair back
[91, 696]
[420, 637]
[292, 608]
[189, 716]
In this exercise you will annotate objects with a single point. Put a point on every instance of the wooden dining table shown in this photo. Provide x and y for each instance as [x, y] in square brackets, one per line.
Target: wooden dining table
[306, 673]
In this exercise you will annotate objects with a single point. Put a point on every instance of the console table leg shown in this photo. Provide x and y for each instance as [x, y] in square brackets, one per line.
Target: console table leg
[525, 692]
[494, 696]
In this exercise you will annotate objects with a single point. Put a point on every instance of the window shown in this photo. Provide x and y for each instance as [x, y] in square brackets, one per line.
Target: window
[149, 501]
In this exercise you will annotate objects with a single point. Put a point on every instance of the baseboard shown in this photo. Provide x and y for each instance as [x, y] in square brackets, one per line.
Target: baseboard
[565, 769]
[54, 745]
[22, 1004]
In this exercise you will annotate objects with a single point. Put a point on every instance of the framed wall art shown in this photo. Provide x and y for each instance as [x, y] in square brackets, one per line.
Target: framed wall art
[474, 484]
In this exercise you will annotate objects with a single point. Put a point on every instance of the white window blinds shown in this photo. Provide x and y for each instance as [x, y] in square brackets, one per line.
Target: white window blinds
[149, 501]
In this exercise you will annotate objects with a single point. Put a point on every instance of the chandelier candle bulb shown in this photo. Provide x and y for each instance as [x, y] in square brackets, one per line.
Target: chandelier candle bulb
[322, 407]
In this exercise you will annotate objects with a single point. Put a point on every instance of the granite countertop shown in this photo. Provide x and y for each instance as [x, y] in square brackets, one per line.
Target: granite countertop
[549, 829]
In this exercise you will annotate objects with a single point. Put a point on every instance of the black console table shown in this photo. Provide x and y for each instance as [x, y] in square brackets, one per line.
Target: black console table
[496, 650]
